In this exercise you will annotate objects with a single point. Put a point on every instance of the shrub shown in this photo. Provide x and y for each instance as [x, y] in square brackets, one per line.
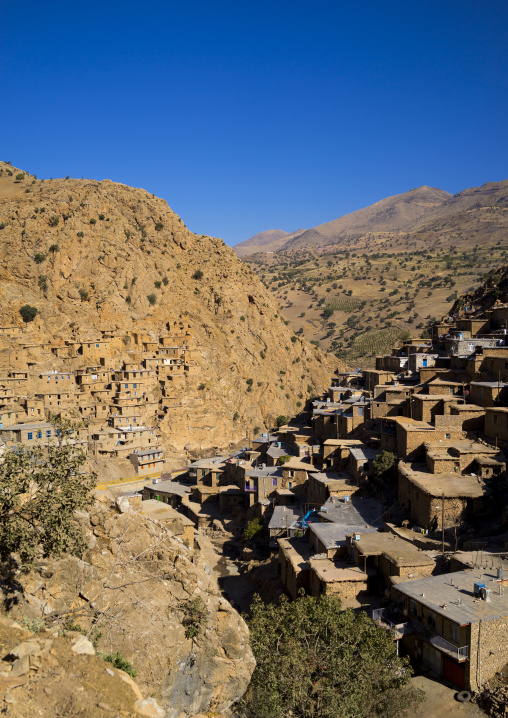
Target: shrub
[54, 220]
[93, 221]
[159, 226]
[195, 616]
[283, 460]
[28, 313]
[157, 284]
[102, 217]
[236, 416]
[20, 176]
[54, 248]
[128, 299]
[83, 294]
[250, 382]
[242, 318]
[119, 662]
[81, 235]
[165, 281]
[281, 420]
[152, 298]
[294, 339]
[39, 258]
[198, 274]
[43, 283]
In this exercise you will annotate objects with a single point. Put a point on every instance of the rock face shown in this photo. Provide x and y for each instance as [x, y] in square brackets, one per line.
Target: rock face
[100, 256]
[141, 592]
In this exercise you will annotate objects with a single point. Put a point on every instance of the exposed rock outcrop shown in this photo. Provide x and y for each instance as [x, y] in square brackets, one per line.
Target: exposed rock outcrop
[140, 591]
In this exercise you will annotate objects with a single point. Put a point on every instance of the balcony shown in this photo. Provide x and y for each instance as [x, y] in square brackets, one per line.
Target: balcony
[250, 489]
[458, 654]
[380, 615]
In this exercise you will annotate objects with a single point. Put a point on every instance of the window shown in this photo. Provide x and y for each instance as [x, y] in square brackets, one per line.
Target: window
[413, 607]
[39, 434]
[48, 433]
[432, 619]
[274, 482]
[455, 632]
[135, 386]
[30, 436]
[97, 346]
[447, 436]
[126, 386]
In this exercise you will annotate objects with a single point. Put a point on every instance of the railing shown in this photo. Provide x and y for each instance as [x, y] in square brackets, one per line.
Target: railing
[249, 488]
[459, 654]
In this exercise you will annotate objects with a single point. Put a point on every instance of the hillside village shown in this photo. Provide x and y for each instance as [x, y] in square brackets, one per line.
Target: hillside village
[115, 400]
[390, 492]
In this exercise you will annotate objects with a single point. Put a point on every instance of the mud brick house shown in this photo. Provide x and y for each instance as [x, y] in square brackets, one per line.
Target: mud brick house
[411, 435]
[392, 558]
[169, 492]
[179, 524]
[457, 625]
[425, 494]
[336, 452]
[335, 484]
[328, 577]
[293, 564]
[496, 423]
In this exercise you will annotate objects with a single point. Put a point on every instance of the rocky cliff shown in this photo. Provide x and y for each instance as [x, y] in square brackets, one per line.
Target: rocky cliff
[142, 592]
[94, 256]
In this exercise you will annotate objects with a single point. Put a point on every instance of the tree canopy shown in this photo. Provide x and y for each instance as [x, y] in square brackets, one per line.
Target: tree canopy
[315, 660]
[40, 490]
[383, 463]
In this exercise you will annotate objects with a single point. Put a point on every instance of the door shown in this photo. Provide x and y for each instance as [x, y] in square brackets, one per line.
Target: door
[432, 659]
[455, 673]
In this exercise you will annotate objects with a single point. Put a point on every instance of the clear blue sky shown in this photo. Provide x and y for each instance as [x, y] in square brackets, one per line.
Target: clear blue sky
[247, 115]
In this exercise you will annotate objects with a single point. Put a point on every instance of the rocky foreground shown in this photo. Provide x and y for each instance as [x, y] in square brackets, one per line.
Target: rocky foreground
[139, 591]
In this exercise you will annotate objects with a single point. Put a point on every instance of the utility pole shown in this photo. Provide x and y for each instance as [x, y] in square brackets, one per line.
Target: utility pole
[442, 523]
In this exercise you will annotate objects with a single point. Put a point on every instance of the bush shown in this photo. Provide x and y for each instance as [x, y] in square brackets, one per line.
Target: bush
[20, 176]
[54, 220]
[93, 221]
[28, 313]
[119, 662]
[283, 460]
[157, 284]
[54, 248]
[254, 529]
[152, 299]
[83, 294]
[195, 616]
[128, 299]
[383, 463]
[281, 420]
[102, 217]
[198, 274]
[165, 281]
[39, 258]
[43, 283]
[159, 226]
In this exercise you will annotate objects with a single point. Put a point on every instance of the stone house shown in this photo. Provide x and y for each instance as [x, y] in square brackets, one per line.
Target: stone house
[169, 492]
[457, 625]
[411, 435]
[496, 423]
[327, 577]
[148, 461]
[488, 393]
[293, 564]
[426, 495]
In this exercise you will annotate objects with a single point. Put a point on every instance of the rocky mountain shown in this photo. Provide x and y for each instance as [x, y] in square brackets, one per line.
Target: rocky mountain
[261, 242]
[391, 214]
[136, 591]
[97, 256]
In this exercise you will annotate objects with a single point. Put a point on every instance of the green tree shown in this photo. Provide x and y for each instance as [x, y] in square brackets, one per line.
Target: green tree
[383, 463]
[198, 274]
[283, 459]
[28, 313]
[41, 488]
[314, 660]
[281, 420]
[152, 299]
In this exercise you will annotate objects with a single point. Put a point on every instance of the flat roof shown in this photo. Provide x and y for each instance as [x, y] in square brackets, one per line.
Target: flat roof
[297, 551]
[489, 384]
[448, 483]
[28, 427]
[267, 471]
[285, 517]
[333, 535]
[336, 571]
[169, 487]
[451, 595]
[398, 551]
[162, 512]
[342, 442]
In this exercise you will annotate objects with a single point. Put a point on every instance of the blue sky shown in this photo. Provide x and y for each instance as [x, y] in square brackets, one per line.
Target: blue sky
[248, 116]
